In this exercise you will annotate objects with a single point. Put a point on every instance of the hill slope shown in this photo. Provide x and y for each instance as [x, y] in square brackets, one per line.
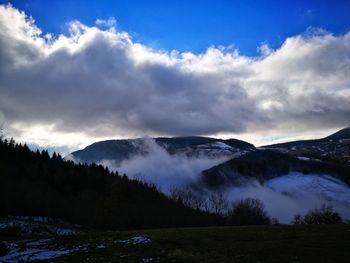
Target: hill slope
[33, 183]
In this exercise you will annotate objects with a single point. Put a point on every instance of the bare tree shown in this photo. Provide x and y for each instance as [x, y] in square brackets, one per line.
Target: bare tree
[188, 197]
[1, 131]
[218, 202]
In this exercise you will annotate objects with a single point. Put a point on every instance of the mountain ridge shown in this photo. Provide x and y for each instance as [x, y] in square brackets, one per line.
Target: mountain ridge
[341, 134]
[191, 146]
[335, 147]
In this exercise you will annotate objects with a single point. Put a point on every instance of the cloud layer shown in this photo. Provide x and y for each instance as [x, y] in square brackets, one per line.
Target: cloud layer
[97, 82]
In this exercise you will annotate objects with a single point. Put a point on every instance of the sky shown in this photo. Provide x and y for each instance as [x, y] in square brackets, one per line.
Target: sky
[75, 72]
[195, 25]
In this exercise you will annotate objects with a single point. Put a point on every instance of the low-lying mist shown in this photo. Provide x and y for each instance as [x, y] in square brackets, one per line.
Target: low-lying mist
[283, 197]
[163, 169]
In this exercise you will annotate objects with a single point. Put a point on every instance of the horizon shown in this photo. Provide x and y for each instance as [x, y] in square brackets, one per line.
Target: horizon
[65, 153]
[125, 70]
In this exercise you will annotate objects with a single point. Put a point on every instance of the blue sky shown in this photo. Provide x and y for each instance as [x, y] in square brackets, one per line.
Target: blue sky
[196, 25]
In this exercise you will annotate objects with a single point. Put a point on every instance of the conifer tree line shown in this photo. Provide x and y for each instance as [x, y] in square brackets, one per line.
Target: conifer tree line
[33, 183]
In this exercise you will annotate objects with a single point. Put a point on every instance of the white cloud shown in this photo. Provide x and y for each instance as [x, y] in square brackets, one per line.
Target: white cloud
[265, 50]
[110, 22]
[97, 83]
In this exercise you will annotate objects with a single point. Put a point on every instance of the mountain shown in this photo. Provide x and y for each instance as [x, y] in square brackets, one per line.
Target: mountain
[329, 155]
[335, 147]
[263, 165]
[192, 146]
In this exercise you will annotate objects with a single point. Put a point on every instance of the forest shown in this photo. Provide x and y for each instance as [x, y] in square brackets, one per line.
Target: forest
[35, 183]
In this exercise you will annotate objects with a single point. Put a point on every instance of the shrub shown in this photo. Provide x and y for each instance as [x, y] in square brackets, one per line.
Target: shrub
[324, 215]
[298, 220]
[248, 211]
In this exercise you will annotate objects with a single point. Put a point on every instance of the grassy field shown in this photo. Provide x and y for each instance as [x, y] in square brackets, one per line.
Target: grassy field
[214, 244]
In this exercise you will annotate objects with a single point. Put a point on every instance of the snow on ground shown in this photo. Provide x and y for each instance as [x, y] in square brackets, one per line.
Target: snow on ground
[101, 246]
[212, 150]
[147, 260]
[39, 242]
[41, 219]
[3, 225]
[46, 249]
[222, 145]
[65, 231]
[38, 249]
[29, 226]
[135, 240]
[49, 254]
[302, 158]
[32, 251]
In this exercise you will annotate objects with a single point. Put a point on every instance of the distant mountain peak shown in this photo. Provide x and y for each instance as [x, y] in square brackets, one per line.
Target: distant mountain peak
[341, 134]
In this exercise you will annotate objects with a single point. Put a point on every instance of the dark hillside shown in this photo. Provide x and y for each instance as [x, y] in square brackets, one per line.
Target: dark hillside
[33, 183]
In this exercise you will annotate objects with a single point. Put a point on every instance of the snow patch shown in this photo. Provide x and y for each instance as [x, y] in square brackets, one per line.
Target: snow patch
[101, 246]
[36, 226]
[18, 254]
[49, 254]
[308, 159]
[136, 240]
[147, 260]
[39, 242]
[222, 145]
[3, 225]
[42, 249]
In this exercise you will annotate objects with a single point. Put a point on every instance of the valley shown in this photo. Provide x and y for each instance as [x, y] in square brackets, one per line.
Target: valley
[308, 173]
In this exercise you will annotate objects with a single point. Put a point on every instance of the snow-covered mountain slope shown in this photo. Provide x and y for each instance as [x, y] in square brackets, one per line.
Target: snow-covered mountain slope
[216, 149]
[325, 187]
[295, 193]
[299, 193]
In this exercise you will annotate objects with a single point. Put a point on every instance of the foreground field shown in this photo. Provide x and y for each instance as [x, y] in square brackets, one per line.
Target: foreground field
[214, 244]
